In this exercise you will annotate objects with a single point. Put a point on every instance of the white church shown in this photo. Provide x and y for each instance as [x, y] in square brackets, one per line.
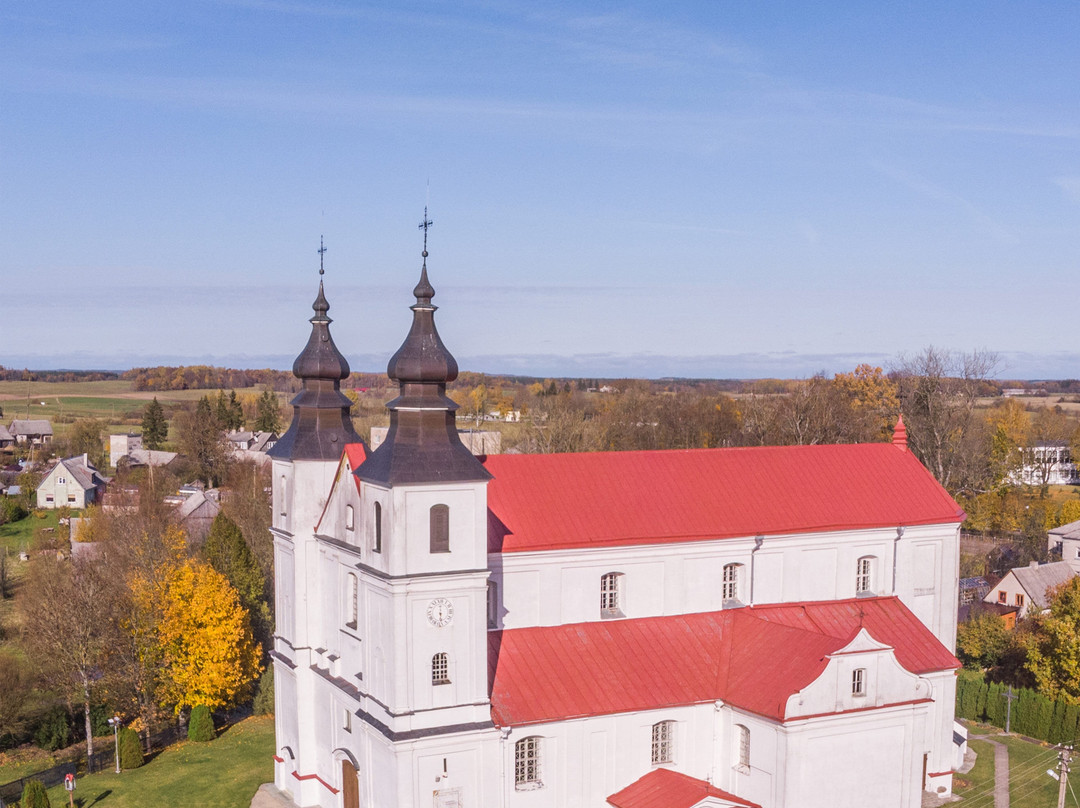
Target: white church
[635, 629]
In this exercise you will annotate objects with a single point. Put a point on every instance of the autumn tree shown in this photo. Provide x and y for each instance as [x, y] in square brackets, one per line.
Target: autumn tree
[67, 627]
[982, 640]
[14, 695]
[1054, 646]
[874, 401]
[938, 391]
[208, 655]
[155, 429]
[86, 437]
[201, 439]
[1008, 427]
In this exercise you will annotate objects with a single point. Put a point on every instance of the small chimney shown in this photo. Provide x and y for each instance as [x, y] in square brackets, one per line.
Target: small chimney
[899, 435]
[1033, 564]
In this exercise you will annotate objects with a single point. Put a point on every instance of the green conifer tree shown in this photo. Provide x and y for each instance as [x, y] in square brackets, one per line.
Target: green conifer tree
[267, 413]
[155, 429]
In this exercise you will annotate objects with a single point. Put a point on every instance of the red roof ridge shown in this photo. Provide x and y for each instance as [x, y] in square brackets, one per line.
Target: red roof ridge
[666, 788]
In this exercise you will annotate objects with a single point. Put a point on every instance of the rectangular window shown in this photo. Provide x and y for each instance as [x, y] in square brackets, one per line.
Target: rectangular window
[71, 497]
[440, 529]
[48, 498]
[663, 742]
[862, 576]
[730, 588]
[378, 528]
[609, 593]
[1019, 599]
[492, 604]
[858, 682]
[61, 480]
[1003, 597]
[527, 763]
[346, 721]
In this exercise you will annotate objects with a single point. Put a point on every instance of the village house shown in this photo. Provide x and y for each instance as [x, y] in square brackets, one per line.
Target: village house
[34, 432]
[1027, 588]
[72, 482]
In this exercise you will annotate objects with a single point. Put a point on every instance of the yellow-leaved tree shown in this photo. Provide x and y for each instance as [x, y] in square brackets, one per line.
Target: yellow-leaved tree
[208, 654]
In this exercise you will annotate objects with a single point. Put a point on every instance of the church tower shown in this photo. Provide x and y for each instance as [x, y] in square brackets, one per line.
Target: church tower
[425, 498]
[304, 461]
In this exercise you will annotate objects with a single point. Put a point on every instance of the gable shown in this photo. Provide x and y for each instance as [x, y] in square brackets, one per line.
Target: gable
[562, 501]
[664, 788]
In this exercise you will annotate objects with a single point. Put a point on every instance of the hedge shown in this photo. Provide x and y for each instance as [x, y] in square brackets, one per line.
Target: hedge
[1033, 714]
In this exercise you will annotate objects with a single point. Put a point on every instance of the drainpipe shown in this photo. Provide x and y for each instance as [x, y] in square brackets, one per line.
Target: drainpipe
[758, 540]
[895, 553]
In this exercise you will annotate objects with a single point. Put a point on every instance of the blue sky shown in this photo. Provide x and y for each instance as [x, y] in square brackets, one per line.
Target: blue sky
[644, 189]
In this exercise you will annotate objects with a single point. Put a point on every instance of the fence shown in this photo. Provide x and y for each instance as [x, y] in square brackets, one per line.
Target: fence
[104, 758]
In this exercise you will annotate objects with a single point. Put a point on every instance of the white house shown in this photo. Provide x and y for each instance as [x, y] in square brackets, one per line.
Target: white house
[1027, 588]
[72, 482]
[605, 628]
[1048, 464]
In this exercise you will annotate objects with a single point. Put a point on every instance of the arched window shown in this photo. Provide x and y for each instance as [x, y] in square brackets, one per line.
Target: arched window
[378, 528]
[440, 529]
[730, 584]
[350, 520]
[352, 608]
[440, 669]
[527, 763]
[742, 747]
[864, 575]
[611, 594]
[663, 742]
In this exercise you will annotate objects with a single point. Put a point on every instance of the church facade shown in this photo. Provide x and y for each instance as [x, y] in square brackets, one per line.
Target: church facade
[630, 629]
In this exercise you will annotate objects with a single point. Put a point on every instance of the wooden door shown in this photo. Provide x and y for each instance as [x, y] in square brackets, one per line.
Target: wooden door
[350, 786]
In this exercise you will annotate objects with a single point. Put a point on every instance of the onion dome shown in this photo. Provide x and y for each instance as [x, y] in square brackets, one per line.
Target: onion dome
[422, 444]
[321, 425]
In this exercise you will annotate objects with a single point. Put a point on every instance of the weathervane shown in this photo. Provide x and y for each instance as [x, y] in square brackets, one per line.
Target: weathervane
[424, 225]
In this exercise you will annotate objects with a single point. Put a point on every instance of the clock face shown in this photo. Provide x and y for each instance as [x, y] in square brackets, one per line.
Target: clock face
[440, 612]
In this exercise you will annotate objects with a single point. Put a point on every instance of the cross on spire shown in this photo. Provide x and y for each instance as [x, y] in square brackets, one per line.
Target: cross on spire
[424, 225]
[322, 251]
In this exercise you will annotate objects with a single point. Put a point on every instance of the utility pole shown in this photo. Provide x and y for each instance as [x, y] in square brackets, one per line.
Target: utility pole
[1008, 708]
[1064, 756]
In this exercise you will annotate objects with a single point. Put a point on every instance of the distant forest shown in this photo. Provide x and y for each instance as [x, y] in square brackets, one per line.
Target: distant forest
[206, 377]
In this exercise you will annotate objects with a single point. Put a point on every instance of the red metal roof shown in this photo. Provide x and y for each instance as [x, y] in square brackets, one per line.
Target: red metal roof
[664, 788]
[551, 673]
[356, 454]
[558, 501]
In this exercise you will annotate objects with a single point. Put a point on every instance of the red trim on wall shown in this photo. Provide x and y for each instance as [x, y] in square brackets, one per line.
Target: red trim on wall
[315, 777]
[938, 774]
[279, 759]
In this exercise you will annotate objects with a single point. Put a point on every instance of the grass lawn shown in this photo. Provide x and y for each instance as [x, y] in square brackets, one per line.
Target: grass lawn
[16, 536]
[224, 773]
[1029, 784]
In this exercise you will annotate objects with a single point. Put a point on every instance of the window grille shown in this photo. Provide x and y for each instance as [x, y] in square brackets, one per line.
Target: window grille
[730, 589]
[353, 609]
[440, 669]
[863, 580]
[663, 742]
[609, 593]
[527, 762]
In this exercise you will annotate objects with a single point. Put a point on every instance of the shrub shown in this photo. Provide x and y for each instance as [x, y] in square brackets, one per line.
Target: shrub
[131, 754]
[201, 724]
[54, 731]
[34, 795]
[11, 510]
[264, 696]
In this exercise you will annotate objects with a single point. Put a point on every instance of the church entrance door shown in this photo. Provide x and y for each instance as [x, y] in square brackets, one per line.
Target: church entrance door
[350, 786]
